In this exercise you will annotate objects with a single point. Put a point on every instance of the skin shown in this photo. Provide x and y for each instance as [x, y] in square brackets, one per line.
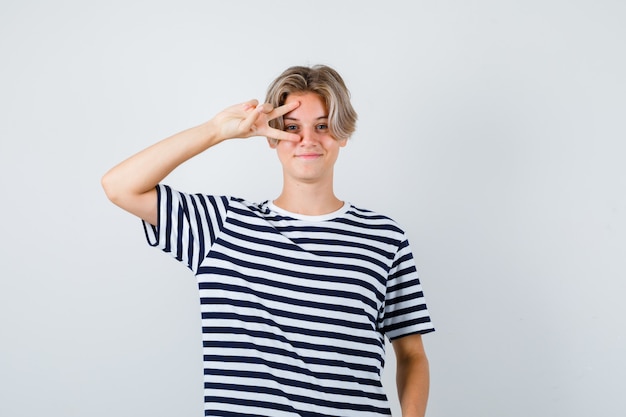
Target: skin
[308, 163]
[307, 152]
[412, 375]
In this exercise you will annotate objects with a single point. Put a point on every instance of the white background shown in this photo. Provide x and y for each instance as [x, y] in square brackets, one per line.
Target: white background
[492, 131]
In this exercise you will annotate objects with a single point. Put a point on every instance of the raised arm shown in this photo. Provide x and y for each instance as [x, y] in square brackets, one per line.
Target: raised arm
[131, 184]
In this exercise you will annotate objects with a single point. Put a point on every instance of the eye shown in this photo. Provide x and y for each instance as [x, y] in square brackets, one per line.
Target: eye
[322, 126]
[291, 128]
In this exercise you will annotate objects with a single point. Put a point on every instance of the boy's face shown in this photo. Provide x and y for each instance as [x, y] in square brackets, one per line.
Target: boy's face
[313, 157]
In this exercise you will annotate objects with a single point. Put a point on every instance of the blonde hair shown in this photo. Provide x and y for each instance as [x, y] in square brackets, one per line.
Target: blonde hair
[323, 81]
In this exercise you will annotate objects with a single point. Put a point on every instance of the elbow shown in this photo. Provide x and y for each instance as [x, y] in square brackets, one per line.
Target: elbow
[110, 190]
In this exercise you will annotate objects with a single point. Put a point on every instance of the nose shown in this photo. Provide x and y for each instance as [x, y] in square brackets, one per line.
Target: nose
[309, 134]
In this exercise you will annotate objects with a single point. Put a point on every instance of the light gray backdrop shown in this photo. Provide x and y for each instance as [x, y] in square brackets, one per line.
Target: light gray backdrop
[493, 131]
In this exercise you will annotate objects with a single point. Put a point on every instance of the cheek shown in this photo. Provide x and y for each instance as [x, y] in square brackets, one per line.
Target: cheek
[333, 145]
[284, 149]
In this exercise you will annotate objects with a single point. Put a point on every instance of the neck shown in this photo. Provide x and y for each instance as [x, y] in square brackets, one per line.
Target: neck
[308, 199]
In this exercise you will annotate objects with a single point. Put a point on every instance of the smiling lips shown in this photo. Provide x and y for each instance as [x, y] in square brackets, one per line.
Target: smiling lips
[308, 156]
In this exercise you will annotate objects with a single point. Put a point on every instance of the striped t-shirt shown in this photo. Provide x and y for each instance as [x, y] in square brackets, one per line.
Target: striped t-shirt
[294, 308]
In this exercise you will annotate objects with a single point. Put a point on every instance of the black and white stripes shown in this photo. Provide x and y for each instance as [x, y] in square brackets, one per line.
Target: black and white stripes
[294, 308]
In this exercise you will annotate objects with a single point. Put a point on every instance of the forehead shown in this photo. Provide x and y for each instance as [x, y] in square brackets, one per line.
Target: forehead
[311, 106]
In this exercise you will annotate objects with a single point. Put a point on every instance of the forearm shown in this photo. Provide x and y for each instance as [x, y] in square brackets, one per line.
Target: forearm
[143, 171]
[413, 383]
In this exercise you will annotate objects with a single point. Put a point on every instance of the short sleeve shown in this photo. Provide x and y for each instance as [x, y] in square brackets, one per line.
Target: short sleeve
[405, 310]
[187, 224]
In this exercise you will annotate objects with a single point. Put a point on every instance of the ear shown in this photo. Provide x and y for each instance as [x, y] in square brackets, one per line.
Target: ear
[272, 142]
[343, 142]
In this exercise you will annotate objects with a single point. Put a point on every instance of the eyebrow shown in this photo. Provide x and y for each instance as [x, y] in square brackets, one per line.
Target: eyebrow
[293, 118]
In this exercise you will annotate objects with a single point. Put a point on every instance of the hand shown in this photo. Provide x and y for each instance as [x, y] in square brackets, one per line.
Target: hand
[249, 119]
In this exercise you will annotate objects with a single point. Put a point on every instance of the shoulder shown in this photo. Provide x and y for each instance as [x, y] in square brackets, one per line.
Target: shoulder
[373, 219]
[171, 197]
[242, 204]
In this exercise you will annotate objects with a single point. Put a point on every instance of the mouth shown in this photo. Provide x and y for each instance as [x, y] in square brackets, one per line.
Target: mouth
[308, 156]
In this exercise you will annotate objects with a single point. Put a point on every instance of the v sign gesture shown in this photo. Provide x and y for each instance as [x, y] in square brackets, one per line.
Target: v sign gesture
[251, 119]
